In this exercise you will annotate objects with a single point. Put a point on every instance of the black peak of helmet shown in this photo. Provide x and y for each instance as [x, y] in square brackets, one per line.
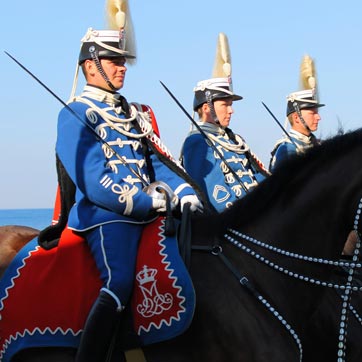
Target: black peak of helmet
[213, 89]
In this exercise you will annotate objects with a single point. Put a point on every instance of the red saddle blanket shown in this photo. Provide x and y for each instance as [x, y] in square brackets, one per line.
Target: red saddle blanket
[46, 295]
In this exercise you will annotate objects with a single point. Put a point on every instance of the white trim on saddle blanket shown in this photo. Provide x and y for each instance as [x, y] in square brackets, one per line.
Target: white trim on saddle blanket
[46, 295]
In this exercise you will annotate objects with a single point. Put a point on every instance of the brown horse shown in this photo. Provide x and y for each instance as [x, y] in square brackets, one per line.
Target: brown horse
[13, 238]
[260, 267]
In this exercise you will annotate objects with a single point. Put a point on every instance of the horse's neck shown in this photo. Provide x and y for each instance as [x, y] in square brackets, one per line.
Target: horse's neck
[12, 239]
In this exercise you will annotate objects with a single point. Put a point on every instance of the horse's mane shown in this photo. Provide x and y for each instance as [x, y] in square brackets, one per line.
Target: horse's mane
[302, 166]
[299, 167]
[325, 153]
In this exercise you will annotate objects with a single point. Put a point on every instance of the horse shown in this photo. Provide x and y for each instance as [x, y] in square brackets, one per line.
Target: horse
[262, 269]
[13, 238]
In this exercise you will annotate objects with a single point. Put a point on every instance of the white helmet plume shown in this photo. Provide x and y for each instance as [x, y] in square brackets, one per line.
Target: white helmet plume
[222, 65]
[119, 18]
[308, 75]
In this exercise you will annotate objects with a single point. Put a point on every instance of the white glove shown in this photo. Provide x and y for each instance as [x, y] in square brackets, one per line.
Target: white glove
[195, 203]
[158, 190]
[174, 202]
[159, 205]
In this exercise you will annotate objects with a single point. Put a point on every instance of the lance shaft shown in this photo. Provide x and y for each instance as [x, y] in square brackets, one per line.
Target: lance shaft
[279, 124]
[105, 143]
[203, 133]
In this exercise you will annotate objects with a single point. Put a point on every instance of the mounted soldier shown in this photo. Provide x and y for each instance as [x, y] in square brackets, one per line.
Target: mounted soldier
[219, 160]
[303, 117]
[116, 161]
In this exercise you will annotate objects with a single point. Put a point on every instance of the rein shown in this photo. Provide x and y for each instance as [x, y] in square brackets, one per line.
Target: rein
[344, 290]
[244, 281]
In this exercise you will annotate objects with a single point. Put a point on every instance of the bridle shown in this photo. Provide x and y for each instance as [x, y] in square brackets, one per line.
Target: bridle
[345, 291]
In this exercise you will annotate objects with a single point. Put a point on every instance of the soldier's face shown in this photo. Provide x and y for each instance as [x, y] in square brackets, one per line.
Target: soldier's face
[115, 68]
[224, 110]
[311, 118]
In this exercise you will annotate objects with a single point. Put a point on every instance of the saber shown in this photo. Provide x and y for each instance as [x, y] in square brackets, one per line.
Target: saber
[105, 143]
[206, 137]
[279, 124]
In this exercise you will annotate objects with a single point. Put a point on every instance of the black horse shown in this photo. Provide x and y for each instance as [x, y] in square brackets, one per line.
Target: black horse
[308, 207]
[260, 268]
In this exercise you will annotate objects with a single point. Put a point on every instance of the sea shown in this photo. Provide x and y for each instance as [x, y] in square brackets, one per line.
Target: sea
[35, 218]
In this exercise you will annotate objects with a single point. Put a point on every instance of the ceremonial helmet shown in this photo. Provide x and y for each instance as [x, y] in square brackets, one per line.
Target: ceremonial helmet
[220, 85]
[103, 44]
[213, 89]
[306, 98]
[117, 41]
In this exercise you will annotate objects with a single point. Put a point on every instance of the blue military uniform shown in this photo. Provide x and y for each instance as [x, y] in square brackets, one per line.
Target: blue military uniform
[227, 178]
[110, 152]
[287, 148]
[204, 165]
[297, 142]
[107, 192]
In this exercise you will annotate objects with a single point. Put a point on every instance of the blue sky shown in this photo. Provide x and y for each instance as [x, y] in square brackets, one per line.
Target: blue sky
[176, 43]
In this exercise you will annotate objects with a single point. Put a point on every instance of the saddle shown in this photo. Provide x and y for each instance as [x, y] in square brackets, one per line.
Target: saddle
[46, 295]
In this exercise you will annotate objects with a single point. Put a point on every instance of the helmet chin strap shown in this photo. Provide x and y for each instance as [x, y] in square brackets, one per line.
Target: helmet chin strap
[297, 109]
[98, 64]
[211, 107]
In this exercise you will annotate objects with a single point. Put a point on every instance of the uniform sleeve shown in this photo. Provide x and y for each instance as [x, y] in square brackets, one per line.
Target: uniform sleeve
[283, 153]
[204, 168]
[165, 174]
[83, 157]
[196, 159]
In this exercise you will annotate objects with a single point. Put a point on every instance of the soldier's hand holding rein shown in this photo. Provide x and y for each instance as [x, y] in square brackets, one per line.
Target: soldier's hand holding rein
[195, 203]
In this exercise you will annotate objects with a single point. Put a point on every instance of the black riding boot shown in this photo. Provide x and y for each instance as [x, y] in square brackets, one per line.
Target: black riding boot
[98, 331]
